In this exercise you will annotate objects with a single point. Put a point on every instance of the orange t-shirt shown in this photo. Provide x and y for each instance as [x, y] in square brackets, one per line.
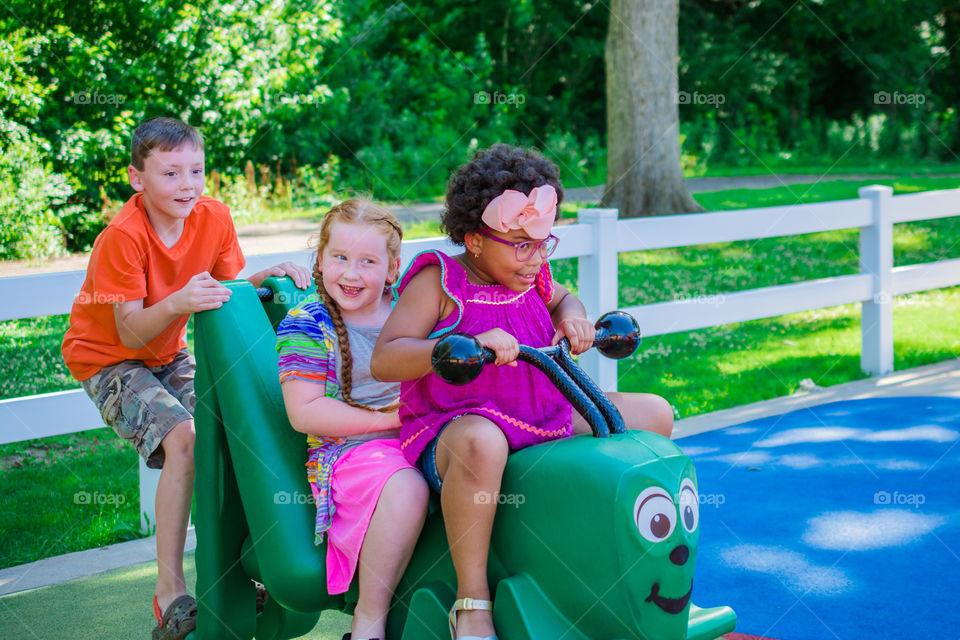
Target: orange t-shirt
[129, 262]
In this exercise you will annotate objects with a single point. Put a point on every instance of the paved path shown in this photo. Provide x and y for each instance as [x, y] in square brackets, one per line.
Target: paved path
[703, 185]
[294, 235]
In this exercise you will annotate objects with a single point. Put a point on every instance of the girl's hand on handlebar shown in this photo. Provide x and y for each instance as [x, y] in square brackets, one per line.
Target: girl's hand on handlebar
[503, 344]
[579, 331]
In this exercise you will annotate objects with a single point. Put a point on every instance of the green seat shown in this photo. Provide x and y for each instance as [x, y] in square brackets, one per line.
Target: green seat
[566, 556]
[254, 516]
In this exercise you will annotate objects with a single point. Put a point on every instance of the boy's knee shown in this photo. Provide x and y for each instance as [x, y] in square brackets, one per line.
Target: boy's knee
[178, 443]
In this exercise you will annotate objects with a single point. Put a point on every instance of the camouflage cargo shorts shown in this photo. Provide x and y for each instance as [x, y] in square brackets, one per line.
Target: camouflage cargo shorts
[142, 404]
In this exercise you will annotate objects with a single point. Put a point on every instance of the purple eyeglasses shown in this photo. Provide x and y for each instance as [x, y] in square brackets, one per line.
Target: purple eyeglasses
[526, 248]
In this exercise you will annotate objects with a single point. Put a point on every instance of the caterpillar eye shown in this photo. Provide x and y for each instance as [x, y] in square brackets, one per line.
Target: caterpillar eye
[655, 514]
[689, 506]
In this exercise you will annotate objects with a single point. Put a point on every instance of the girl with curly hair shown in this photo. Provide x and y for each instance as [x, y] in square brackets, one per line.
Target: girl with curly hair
[500, 207]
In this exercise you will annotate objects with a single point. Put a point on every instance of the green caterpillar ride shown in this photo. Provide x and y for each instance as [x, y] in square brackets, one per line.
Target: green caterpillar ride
[602, 544]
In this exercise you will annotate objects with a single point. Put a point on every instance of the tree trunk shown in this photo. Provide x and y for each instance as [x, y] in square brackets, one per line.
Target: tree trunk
[644, 177]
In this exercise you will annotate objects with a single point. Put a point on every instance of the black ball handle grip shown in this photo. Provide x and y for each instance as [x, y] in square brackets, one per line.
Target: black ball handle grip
[459, 358]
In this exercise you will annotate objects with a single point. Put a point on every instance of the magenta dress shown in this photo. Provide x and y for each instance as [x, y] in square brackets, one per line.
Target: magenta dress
[521, 400]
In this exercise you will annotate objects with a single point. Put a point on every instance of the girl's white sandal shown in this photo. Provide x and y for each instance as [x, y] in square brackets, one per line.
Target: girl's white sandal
[468, 604]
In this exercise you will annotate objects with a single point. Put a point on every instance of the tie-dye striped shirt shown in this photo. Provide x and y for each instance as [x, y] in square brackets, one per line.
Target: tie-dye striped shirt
[306, 343]
[309, 350]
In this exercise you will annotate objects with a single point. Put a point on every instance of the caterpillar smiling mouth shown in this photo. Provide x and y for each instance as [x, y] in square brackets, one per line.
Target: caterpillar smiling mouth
[670, 605]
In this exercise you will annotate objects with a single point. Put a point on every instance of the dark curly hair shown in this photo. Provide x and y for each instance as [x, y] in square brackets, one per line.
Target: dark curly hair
[491, 172]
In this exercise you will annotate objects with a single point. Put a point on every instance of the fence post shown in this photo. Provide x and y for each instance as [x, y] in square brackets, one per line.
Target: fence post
[599, 288]
[148, 497]
[876, 259]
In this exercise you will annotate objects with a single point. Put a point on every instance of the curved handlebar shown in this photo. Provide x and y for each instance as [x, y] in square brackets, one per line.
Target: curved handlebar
[459, 359]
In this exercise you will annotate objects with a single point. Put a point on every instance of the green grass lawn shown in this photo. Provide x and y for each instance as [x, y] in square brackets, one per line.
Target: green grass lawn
[816, 192]
[698, 371]
[114, 604]
[851, 166]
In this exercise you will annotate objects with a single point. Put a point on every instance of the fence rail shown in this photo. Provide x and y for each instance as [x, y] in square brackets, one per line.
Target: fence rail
[596, 242]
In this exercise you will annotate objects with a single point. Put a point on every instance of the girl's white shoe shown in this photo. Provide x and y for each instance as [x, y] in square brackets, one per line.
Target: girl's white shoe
[468, 604]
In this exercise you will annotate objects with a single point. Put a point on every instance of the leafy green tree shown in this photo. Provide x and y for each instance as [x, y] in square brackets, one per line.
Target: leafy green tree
[389, 97]
[786, 70]
[32, 197]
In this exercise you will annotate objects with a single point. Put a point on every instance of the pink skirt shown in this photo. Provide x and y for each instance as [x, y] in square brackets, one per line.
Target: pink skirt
[357, 479]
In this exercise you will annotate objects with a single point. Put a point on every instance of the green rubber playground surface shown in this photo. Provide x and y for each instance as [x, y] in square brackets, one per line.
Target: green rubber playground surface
[107, 606]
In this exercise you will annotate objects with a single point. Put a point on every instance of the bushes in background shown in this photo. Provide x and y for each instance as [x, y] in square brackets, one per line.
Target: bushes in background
[388, 98]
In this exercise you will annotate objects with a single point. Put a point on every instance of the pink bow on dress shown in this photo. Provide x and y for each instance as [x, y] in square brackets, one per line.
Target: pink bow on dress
[514, 210]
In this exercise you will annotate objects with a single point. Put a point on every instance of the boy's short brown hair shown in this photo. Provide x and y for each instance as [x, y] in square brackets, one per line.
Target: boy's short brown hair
[165, 134]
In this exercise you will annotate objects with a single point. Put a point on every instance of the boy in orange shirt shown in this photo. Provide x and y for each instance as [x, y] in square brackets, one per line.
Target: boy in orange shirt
[157, 262]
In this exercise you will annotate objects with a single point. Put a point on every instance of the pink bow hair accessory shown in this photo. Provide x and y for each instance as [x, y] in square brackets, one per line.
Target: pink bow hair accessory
[514, 210]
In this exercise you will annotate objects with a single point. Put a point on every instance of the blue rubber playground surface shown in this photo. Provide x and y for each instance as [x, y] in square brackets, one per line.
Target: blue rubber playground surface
[840, 521]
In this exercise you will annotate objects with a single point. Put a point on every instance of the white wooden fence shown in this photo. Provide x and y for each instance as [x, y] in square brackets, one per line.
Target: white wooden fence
[596, 242]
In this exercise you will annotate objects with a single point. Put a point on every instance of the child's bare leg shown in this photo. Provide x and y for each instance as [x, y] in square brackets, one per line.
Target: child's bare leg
[645, 411]
[387, 547]
[471, 455]
[174, 492]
